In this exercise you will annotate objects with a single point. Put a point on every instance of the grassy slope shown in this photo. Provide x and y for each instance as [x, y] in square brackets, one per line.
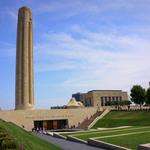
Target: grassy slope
[29, 141]
[129, 141]
[124, 118]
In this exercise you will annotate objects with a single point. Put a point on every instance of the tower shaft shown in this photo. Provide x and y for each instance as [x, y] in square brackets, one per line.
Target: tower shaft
[24, 61]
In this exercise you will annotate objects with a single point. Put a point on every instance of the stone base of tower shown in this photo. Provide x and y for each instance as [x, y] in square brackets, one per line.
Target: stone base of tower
[23, 107]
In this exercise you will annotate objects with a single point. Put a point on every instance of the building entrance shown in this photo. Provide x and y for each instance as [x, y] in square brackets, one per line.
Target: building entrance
[51, 124]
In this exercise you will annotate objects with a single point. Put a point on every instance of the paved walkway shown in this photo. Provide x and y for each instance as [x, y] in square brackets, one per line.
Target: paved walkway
[65, 144]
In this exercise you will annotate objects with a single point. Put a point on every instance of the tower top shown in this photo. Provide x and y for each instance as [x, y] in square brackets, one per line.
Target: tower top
[25, 13]
[25, 8]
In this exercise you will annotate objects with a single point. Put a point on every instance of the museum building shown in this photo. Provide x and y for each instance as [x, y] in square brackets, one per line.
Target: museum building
[100, 97]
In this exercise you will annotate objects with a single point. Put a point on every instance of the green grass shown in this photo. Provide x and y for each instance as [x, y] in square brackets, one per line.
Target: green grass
[139, 121]
[76, 132]
[29, 141]
[91, 131]
[129, 141]
[111, 132]
[118, 136]
[124, 118]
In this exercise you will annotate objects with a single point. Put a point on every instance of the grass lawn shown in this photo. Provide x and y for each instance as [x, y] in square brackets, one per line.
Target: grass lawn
[29, 141]
[129, 141]
[91, 131]
[129, 137]
[124, 118]
[111, 132]
[76, 132]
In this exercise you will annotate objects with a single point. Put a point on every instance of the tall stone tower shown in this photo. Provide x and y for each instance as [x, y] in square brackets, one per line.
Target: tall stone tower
[24, 61]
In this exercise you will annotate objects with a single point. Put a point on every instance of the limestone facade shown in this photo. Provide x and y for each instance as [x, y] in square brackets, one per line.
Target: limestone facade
[24, 61]
[26, 118]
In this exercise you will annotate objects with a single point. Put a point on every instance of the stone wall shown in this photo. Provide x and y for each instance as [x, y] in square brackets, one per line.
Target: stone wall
[26, 118]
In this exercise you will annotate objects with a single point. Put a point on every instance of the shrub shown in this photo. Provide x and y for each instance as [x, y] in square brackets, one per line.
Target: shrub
[4, 139]
[8, 144]
[3, 134]
[1, 128]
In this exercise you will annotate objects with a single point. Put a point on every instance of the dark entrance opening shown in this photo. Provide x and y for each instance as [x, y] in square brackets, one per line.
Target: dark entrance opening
[51, 124]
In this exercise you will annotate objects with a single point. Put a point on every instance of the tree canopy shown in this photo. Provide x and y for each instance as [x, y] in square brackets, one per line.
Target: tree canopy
[138, 94]
[148, 96]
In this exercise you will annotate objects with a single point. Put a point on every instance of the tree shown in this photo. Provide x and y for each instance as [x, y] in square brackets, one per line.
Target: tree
[148, 96]
[138, 95]
[108, 103]
[125, 102]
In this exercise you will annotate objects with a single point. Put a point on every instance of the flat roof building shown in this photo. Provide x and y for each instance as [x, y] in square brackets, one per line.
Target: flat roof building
[100, 97]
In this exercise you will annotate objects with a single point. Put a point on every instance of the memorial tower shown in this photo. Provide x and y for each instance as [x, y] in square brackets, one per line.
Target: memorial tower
[24, 61]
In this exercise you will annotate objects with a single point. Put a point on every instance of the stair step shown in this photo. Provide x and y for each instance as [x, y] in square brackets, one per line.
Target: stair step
[86, 123]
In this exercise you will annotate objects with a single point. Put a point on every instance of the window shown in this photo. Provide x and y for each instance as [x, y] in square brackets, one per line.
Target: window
[117, 98]
[102, 101]
[120, 98]
[113, 98]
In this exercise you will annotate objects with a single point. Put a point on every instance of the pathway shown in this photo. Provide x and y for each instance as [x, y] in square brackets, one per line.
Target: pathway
[65, 144]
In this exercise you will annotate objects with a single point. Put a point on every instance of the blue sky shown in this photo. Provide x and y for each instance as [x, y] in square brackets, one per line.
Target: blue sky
[79, 45]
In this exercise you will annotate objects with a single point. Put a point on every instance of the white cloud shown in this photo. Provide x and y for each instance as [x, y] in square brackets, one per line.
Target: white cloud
[67, 8]
[54, 67]
[12, 14]
[101, 61]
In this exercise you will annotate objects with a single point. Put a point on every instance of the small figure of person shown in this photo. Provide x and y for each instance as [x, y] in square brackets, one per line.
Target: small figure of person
[37, 130]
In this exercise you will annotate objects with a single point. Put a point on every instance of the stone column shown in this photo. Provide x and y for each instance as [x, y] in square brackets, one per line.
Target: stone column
[24, 61]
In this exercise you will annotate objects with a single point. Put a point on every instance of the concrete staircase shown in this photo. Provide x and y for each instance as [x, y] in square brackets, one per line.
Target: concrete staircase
[87, 122]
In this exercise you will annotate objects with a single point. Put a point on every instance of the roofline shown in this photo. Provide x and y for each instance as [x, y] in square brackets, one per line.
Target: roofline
[105, 90]
[100, 91]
